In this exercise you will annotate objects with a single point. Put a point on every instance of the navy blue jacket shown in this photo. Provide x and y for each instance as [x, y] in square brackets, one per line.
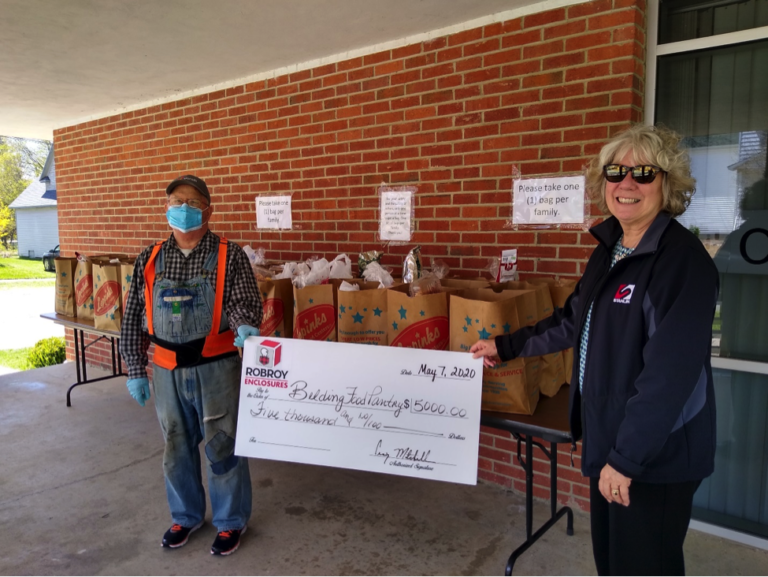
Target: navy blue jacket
[648, 402]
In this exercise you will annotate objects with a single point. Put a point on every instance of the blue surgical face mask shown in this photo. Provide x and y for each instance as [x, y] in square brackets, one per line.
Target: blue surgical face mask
[184, 218]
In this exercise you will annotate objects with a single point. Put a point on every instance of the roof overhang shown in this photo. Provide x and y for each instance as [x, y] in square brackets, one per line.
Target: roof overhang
[93, 59]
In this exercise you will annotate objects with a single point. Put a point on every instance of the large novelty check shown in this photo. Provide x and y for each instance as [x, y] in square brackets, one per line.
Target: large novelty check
[409, 412]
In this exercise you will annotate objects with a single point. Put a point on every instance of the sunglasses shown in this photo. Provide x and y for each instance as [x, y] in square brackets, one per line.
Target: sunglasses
[643, 174]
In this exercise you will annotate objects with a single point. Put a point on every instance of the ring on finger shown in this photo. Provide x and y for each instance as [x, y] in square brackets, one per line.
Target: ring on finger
[615, 492]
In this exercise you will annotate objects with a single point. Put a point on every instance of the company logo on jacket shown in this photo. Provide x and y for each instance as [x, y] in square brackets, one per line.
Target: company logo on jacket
[624, 294]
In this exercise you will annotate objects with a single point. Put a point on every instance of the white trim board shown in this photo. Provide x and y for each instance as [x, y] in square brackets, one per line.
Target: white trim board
[713, 41]
[739, 365]
[407, 41]
[730, 534]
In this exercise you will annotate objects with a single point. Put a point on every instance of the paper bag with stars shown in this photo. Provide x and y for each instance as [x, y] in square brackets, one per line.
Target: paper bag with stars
[277, 301]
[419, 322]
[479, 314]
[107, 301]
[65, 288]
[552, 374]
[314, 317]
[126, 277]
[363, 315]
[560, 290]
[84, 288]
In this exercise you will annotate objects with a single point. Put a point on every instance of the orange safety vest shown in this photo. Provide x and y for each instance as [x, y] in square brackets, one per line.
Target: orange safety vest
[216, 343]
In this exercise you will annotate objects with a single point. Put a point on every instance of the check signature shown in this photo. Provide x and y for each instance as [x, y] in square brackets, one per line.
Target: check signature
[403, 453]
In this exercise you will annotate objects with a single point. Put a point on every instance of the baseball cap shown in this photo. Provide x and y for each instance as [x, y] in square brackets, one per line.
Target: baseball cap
[193, 181]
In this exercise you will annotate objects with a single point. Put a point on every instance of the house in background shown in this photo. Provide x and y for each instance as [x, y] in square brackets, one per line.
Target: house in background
[37, 220]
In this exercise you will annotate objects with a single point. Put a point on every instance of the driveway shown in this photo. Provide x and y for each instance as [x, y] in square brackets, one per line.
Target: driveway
[20, 309]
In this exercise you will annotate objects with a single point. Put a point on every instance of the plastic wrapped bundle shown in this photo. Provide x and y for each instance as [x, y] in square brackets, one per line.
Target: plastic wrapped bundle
[315, 273]
[366, 258]
[429, 284]
[412, 265]
[341, 267]
[289, 271]
[255, 256]
[374, 272]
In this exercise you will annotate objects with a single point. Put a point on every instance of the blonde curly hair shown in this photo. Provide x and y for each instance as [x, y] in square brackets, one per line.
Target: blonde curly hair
[655, 145]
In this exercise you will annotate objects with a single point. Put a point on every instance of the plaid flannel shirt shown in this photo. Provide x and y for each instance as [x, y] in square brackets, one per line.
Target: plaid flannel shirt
[242, 301]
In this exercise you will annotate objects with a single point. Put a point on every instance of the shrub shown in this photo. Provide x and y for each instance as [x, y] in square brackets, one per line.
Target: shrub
[47, 352]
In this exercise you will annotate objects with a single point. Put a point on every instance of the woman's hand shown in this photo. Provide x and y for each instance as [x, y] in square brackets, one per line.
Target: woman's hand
[614, 486]
[487, 350]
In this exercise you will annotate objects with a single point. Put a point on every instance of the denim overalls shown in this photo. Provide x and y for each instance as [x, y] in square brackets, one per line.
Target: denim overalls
[198, 403]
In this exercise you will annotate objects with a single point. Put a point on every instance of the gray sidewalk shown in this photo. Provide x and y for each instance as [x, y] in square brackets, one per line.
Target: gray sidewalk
[20, 310]
[81, 492]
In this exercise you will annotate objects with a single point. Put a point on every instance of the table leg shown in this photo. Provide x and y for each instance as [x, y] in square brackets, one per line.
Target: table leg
[553, 490]
[82, 356]
[77, 356]
[114, 368]
[528, 465]
[77, 366]
[82, 369]
[555, 515]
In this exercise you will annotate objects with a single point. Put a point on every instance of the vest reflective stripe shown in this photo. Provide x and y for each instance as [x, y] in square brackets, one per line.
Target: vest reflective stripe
[164, 358]
[215, 343]
[149, 285]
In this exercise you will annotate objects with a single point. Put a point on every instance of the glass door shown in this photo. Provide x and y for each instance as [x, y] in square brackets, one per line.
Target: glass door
[711, 86]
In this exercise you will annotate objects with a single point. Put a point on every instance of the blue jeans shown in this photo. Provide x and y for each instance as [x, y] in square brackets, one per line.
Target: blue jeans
[195, 404]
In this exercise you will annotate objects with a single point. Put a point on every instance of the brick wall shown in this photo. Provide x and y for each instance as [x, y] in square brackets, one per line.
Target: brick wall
[451, 115]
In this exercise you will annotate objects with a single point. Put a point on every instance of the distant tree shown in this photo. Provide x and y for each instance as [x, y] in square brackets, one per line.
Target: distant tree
[17, 160]
[31, 154]
[7, 225]
[12, 181]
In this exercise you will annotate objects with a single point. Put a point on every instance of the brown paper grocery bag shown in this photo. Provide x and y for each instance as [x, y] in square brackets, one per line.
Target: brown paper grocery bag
[509, 387]
[65, 286]
[464, 283]
[107, 304]
[84, 288]
[419, 322]
[277, 301]
[337, 282]
[110, 257]
[552, 373]
[362, 315]
[560, 290]
[126, 278]
[314, 317]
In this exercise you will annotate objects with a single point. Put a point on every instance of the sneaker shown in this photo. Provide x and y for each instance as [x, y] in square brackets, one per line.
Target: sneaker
[227, 542]
[178, 535]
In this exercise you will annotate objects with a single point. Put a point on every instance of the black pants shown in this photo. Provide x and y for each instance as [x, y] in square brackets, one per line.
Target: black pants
[645, 538]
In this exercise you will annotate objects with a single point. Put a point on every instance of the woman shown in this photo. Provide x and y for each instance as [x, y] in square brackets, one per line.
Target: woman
[640, 322]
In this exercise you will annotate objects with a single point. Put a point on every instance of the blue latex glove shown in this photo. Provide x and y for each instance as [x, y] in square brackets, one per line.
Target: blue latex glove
[139, 389]
[243, 332]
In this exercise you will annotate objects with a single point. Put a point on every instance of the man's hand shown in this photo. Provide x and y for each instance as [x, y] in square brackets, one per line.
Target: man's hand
[487, 350]
[243, 332]
[614, 486]
[139, 389]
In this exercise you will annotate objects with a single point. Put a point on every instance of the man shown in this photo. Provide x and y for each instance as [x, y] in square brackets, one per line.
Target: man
[187, 296]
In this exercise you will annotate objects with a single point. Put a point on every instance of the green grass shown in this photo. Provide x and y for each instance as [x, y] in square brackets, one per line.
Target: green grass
[15, 358]
[23, 268]
[27, 284]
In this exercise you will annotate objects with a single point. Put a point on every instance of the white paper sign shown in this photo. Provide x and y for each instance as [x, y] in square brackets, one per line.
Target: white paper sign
[390, 410]
[548, 200]
[273, 212]
[396, 210]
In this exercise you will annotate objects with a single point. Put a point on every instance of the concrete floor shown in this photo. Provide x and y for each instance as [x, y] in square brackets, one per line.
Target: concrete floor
[81, 492]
